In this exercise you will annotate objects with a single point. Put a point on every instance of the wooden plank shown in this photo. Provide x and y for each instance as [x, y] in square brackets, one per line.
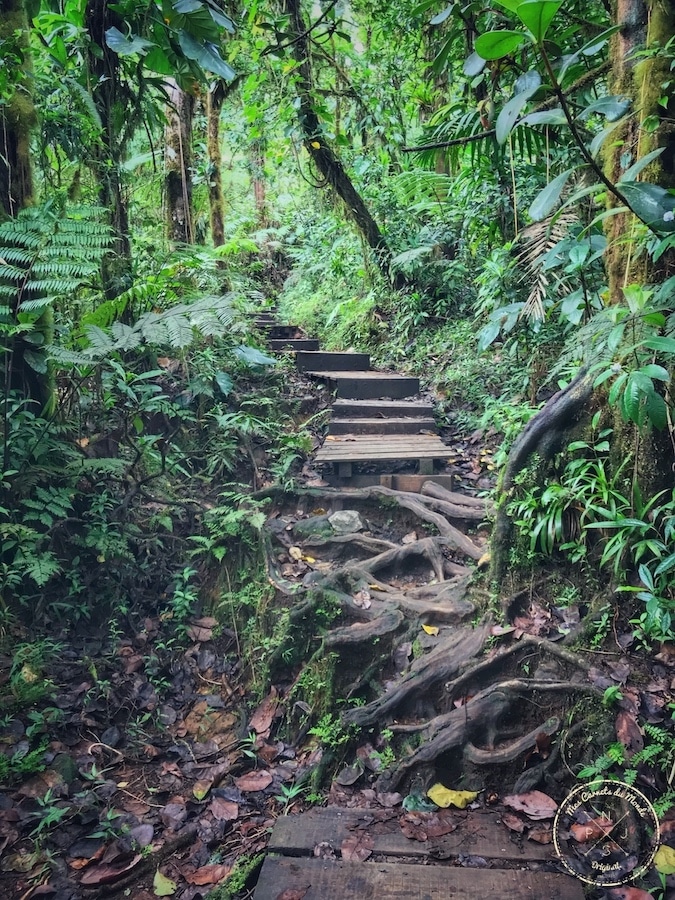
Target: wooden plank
[338, 880]
[383, 408]
[398, 425]
[294, 344]
[413, 483]
[328, 361]
[368, 385]
[356, 456]
[479, 832]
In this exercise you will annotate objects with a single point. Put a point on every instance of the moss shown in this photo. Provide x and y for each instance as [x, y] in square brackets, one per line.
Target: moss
[238, 879]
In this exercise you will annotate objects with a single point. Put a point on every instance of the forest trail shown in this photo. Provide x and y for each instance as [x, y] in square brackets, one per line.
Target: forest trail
[365, 844]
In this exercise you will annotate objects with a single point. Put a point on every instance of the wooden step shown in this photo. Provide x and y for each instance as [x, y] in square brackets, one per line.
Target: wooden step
[398, 425]
[327, 361]
[281, 332]
[383, 408]
[368, 385]
[334, 879]
[404, 869]
[364, 447]
[294, 344]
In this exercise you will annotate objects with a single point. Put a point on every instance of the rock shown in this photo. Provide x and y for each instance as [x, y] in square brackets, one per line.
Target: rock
[314, 526]
[346, 521]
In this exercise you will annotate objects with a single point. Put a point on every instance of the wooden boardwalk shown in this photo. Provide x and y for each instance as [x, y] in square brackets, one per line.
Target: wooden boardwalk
[479, 858]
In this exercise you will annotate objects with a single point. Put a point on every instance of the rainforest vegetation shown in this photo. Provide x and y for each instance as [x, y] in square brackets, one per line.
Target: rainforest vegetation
[479, 194]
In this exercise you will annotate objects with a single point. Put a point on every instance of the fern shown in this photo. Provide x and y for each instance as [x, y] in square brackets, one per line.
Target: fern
[537, 241]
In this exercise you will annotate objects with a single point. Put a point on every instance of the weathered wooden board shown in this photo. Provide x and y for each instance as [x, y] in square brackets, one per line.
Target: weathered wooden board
[338, 880]
[383, 408]
[329, 361]
[366, 447]
[398, 425]
[479, 832]
[294, 344]
[368, 385]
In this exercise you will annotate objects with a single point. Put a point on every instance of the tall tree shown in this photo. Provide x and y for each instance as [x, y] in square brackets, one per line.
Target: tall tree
[214, 105]
[178, 165]
[17, 112]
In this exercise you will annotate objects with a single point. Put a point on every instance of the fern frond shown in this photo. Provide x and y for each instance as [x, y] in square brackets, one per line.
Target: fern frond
[539, 239]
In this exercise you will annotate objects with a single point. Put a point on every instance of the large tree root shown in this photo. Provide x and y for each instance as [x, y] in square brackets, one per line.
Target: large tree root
[453, 653]
[543, 434]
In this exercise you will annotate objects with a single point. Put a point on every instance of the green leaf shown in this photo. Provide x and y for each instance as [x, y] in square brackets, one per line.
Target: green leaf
[163, 886]
[631, 173]
[508, 115]
[205, 55]
[654, 371]
[651, 203]
[511, 5]
[545, 201]
[613, 108]
[660, 344]
[473, 65]
[537, 15]
[187, 6]
[545, 117]
[496, 44]
[250, 356]
[125, 46]
[616, 388]
[657, 410]
[666, 565]
[224, 382]
[442, 16]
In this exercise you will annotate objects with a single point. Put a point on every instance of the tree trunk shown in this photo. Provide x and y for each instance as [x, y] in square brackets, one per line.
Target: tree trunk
[327, 163]
[257, 158]
[17, 116]
[105, 90]
[178, 166]
[214, 104]
[646, 24]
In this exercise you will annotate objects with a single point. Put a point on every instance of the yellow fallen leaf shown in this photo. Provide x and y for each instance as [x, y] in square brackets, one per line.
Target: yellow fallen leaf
[444, 797]
[316, 145]
[484, 560]
[664, 861]
[295, 553]
[163, 886]
[375, 587]
[309, 559]
[431, 629]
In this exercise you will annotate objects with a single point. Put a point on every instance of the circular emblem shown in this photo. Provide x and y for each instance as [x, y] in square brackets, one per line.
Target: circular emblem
[606, 833]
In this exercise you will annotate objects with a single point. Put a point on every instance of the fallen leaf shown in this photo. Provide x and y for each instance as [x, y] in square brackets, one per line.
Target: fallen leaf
[208, 875]
[350, 774]
[324, 851]
[540, 834]
[664, 861]
[295, 553]
[362, 599]
[513, 823]
[534, 804]
[224, 810]
[629, 893]
[201, 788]
[296, 893]
[108, 872]
[254, 781]
[628, 732]
[431, 629]
[197, 633]
[591, 830]
[163, 886]
[445, 797]
[409, 538]
[357, 847]
[173, 814]
[262, 718]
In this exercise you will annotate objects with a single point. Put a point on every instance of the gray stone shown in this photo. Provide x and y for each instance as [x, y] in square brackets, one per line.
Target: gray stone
[346, 521]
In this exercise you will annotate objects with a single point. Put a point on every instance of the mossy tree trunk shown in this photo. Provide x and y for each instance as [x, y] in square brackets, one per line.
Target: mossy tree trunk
[257, 163]
[17, 113]
[646, 25]
[17, 119]
[109, 98]
[178, 166]
[214, 104]
[323, 156]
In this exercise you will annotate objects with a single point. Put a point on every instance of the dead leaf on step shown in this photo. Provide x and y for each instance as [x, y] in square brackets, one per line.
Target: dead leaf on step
[629, 893]
[591, 830]
[445, 797]
[357, 847]
[541, 834]
[409, 538]
[534, 804]
[293, 893]
[431, 629]
[513, 823]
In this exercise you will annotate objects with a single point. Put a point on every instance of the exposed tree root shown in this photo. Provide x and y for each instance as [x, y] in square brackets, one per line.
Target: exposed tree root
[509, 752]
[430, 670]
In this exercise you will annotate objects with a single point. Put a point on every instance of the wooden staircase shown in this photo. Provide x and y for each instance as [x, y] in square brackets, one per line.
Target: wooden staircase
[377, 417]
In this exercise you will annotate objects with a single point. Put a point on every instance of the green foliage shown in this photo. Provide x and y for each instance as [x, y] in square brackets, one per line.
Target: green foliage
[238, 879]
